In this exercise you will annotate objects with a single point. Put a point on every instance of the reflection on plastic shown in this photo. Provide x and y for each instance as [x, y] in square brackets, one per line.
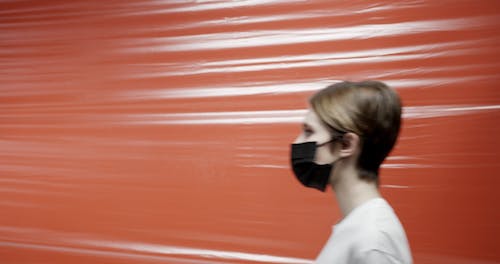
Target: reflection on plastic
[158, 131]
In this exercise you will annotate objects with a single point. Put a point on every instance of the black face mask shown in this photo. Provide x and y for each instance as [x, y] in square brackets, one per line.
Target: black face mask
[306, 170]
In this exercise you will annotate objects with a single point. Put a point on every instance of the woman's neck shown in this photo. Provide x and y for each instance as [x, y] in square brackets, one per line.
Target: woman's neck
[351, 191]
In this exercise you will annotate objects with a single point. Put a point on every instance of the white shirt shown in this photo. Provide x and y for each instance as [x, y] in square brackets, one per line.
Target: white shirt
[371, 233]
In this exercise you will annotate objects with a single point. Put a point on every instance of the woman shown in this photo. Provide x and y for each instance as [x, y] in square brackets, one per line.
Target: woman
[348, 131]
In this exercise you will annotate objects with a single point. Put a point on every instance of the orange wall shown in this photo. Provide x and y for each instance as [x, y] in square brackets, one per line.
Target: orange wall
[158, 131]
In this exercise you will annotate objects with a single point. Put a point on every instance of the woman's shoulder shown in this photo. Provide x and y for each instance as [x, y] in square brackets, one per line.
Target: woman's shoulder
[382, 232]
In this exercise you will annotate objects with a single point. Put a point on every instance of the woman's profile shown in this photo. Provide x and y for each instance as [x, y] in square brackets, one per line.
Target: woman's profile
[348, 131]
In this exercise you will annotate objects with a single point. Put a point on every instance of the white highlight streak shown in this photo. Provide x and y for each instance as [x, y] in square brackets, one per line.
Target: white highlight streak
[102, 253]
[413, 112]
[40, 239]
[256, 89]
[280, 88]
[213, 253]
[293, 116]
[245, 20]
[244, 117]
[395, 186]
[209, 5]
[312, 60]
[205, 253]
[280, 37]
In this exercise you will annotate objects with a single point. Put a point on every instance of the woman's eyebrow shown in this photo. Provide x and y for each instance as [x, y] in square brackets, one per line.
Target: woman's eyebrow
[306, 125]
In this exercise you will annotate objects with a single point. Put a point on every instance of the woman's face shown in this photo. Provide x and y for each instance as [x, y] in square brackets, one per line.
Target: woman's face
[313, 130]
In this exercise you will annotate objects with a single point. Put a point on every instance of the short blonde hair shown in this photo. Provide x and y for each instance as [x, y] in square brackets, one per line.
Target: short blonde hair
[370, 109]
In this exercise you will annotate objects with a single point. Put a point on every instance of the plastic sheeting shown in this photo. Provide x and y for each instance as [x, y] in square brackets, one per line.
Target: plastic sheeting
[159, 131]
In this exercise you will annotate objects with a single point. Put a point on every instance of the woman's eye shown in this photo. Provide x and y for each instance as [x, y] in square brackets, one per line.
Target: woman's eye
[308, 132]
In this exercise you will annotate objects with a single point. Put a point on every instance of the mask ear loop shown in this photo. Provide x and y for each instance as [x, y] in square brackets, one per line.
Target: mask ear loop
[334, 138]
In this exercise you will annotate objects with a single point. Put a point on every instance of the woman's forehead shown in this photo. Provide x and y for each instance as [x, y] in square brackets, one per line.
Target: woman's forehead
[312, 119]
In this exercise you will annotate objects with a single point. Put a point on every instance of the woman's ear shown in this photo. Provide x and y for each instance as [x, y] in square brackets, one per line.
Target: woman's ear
[350, 145]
